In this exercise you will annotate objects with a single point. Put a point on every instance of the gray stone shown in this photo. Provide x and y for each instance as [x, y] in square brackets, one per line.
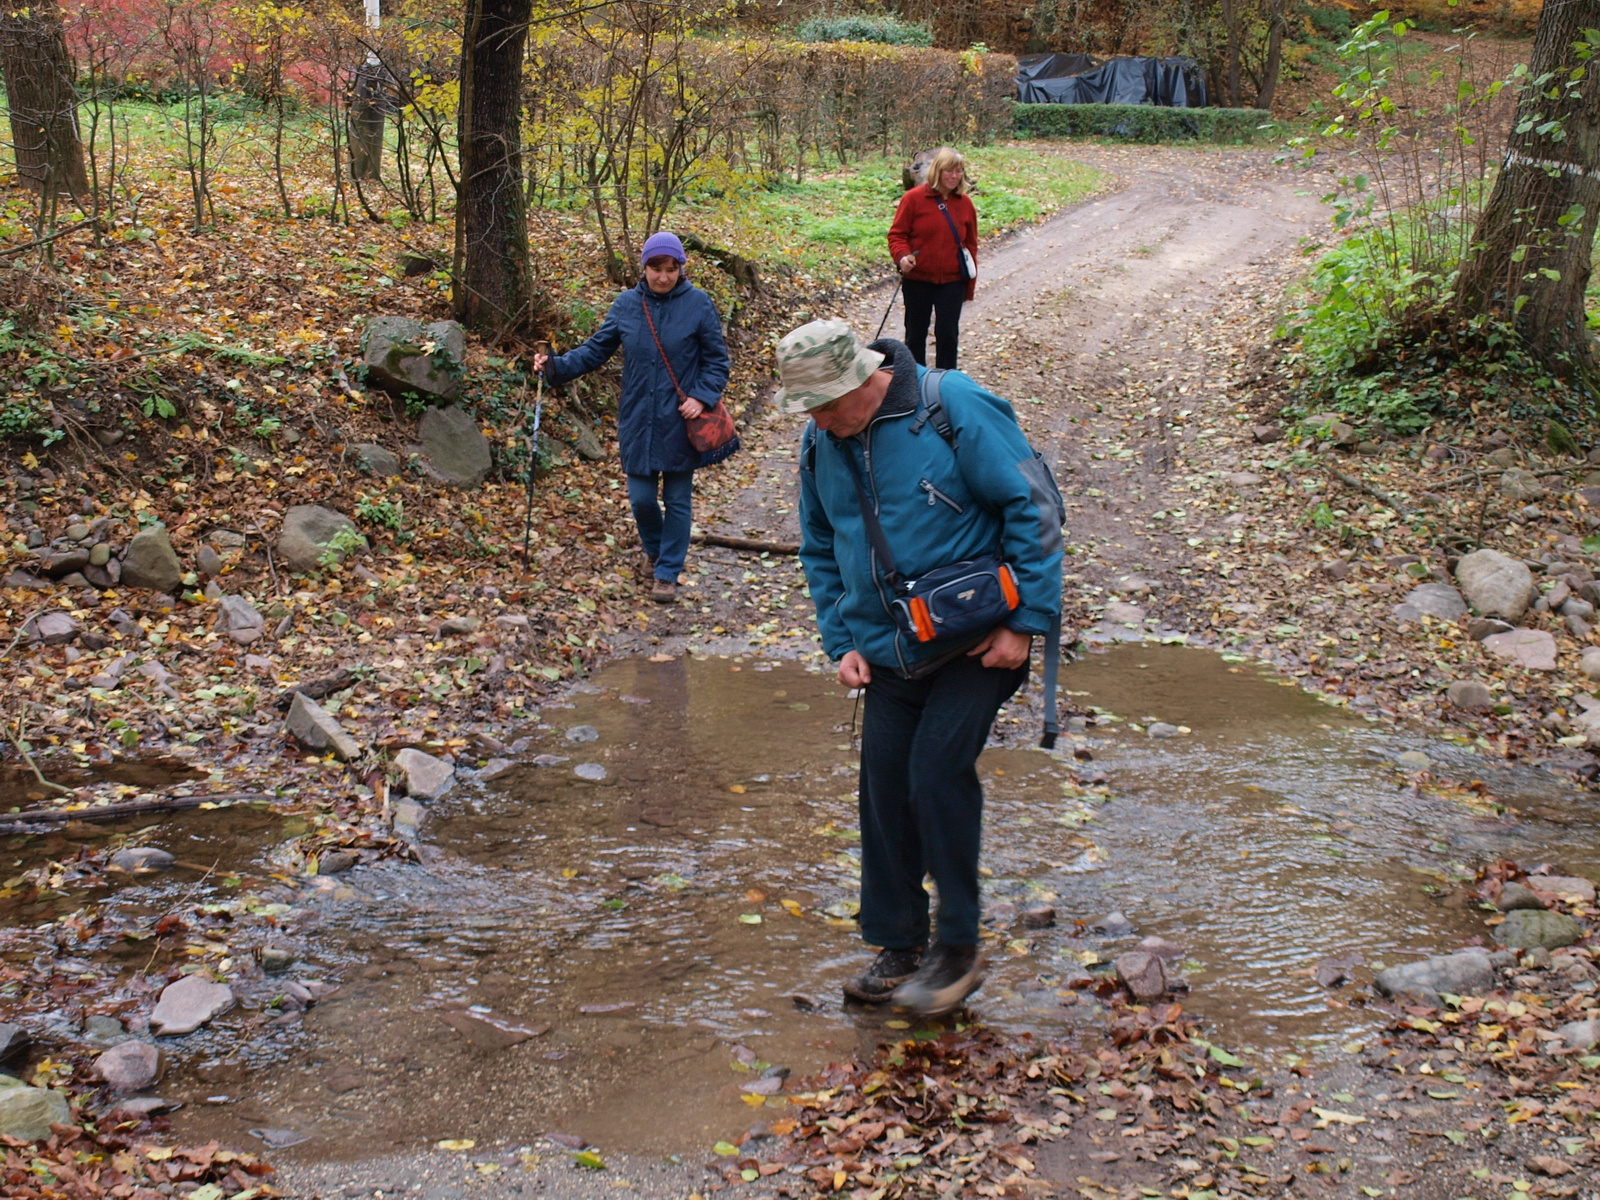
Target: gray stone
[1495, 584]
[1041, 917]
[1564, 885]
[486, 1032]
[1437, 600]
[22, 579]
[14, 1040]
[402, 355]
[1580, 1035]
[26, 1113]
[1414, 760]
[423, 776]
[586, 443]
[1161, 948]
[1526, 928]
[150, 562]
[276, 958]
[316, 729]
[515, 622]
[336, 862]
[154, 671]
[241, 620]
[1143, 973]
[53, 628]
[77, 532]
[593, 772]
[1466, 974]
[458, 625]
[130, 1067]
[376, 460]
[1113, 924]
[1531, 649]
[227, 539]
[454, 448]
[107, 576]
[101, 1030]
[583, 733]
[1121, 613]
[1516, 895]
[1518, 484]
[1242, 478]
[189, 1003]
[495, 768]
[100, 554]
[1470, 695]
[308, 533]
[1160, 729]
[1264, 434]
[1590, 663]
[61, 563]
[408, 816]
[139, 859]
[207, 561]
[1573, 607]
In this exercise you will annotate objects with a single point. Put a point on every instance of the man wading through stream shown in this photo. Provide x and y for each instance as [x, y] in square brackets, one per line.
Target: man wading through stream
[932, 544]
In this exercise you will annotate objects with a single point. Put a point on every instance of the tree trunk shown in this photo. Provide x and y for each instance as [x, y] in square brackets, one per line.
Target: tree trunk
[1230, 25]
[1530, 257]
[492, 287]
[1269, 75]
[40, 95]
[366, 122]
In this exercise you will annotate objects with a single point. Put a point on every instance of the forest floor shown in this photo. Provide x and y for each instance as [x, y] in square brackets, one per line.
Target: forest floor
[1134, 333]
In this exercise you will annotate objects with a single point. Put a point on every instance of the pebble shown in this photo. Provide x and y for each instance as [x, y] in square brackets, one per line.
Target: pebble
[1470, 695]
[583, 733]
[129, 1067]
[1144, 974]
[459, 625]
[1113, 924]
[1414, 760]
[1160, 729]
[189, 1003]
[591, 771]
[141, 858]
[276, 958]
[1517, 895]
[1039, 918]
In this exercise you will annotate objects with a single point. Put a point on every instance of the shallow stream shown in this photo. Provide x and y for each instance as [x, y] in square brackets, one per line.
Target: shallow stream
[683, 923]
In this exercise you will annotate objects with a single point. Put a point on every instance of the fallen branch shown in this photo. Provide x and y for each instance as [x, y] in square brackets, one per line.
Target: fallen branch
[45, 241]
[1366, 489]
[19, 739]
[23, 628]
[29, 819]
[754, 545]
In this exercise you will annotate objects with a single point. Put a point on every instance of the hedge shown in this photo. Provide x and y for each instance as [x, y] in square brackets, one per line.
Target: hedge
[1142, 122]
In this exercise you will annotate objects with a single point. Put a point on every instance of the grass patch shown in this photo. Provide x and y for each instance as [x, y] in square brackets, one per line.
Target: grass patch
[839, 222]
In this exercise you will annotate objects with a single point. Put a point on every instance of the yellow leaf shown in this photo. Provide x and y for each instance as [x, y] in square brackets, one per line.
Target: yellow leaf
[792, 907]
[738, 789]
[158, 1153]
[1327, 1116]
[29, 461]
[456, 1144]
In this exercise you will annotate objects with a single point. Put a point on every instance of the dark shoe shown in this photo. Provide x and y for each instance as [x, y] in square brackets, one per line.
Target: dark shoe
[947, 976]
[888, 971]
[663, 592]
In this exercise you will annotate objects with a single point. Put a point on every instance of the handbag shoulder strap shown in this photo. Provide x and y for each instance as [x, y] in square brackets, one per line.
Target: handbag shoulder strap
[875, 534]
[948, 220]
[644, 305]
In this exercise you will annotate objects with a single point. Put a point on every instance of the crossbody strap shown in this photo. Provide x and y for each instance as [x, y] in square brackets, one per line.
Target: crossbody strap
[875, 534]
[665, 361]
[960, 245]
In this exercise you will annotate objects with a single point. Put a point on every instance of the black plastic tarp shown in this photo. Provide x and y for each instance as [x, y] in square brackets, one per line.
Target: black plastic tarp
[1053, 66]
[1170, 82]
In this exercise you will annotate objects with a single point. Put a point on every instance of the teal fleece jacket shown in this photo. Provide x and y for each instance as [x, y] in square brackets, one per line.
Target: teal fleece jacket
[938, 504]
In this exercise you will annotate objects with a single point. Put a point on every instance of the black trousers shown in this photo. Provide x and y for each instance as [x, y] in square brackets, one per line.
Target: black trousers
[921, 802]
[943, 302]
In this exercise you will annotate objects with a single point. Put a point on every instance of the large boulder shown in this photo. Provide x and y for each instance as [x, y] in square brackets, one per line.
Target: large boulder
[26, 1113]
[402, 355]
[1495, 584]
[453, 447]
[1437, 600]
[375, 459]
[316, 729]
[150, 562]
[1530, 649]
[310, 531]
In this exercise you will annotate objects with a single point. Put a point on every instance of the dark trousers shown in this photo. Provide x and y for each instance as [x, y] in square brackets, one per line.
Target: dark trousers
[921, 802]
[665, 537]
[943, 302]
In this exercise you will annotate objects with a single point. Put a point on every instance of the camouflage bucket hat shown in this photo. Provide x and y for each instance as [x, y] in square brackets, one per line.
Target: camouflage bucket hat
[820, 362]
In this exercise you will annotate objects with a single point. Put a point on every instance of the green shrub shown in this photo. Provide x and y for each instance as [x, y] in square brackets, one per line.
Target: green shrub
[890, 31]
[1143, 123]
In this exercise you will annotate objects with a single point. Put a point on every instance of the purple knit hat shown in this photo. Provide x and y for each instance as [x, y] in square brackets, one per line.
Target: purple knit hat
[662, 245]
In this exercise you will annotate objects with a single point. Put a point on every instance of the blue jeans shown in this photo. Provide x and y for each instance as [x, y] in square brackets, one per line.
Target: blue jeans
[665, 539]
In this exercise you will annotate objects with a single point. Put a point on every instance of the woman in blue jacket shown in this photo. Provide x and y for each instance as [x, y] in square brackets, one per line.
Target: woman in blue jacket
[657, 399]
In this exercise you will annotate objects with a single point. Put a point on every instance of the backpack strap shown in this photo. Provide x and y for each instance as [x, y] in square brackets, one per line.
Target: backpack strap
[808, 449]
[933, 411]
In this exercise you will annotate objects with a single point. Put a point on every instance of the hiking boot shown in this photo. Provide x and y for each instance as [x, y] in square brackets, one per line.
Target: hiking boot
[947, 976]
[888, 971]
[646, 565]
[664, 591]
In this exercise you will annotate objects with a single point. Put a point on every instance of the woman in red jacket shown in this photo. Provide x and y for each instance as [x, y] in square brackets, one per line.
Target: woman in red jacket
[934, 242]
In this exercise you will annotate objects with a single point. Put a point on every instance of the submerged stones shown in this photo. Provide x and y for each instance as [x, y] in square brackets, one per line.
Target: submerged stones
[1466, 974]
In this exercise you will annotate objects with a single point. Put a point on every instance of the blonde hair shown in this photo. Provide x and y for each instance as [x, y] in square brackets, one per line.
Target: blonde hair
[945, 158]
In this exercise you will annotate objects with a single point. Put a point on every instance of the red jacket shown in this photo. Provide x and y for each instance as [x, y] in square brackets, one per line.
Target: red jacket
[919, 228]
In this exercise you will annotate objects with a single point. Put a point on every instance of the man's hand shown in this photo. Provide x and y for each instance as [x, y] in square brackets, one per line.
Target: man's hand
[854, 670]
[691, 408]
[539, 361]
[1004, 649]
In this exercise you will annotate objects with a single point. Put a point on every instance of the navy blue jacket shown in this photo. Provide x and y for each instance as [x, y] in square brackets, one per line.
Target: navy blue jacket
[650, 430]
